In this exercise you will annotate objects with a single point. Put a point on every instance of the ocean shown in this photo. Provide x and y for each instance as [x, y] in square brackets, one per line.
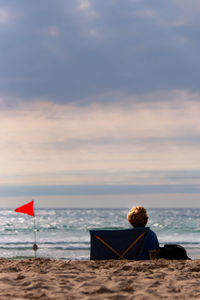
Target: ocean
[64, 233]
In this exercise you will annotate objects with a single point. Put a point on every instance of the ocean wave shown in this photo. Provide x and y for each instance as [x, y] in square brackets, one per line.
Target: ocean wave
[65, 232]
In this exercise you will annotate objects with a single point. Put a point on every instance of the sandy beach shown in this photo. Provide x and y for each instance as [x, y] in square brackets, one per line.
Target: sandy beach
[57, 279]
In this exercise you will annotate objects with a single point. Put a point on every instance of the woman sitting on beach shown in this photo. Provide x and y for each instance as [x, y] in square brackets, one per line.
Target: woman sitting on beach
[138, 217]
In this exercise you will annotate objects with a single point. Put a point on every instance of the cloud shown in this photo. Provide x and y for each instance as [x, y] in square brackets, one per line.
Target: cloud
[84, 4]
[47, 143]
[51, 31]
[83, 190]
[94, 47]
[99, 92]
[5, 16]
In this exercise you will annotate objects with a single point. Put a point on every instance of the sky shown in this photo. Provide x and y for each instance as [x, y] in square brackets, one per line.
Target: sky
[100, 103]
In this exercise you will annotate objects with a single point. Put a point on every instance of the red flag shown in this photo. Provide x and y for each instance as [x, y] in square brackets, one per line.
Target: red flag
[26, 209]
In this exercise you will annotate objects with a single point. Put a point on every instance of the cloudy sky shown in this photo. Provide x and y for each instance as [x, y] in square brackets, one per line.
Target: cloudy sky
[100, 103]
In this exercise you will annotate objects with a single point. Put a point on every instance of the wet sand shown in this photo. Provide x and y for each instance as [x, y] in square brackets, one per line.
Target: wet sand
[57, 279]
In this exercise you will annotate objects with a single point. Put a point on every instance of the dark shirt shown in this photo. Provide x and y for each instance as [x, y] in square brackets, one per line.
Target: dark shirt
[150, 243]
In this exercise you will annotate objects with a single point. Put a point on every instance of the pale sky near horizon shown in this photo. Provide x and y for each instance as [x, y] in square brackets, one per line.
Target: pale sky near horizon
[100, 103]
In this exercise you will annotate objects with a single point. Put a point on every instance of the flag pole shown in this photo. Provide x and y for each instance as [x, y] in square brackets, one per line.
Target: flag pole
[35, 246]
[28, 209]
[34, 231]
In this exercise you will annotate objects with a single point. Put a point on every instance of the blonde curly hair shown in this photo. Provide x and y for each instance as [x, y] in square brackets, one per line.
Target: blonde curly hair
[137, 216]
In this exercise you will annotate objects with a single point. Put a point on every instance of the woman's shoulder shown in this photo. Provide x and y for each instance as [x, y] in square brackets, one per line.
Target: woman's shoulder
[152, 236]
[151, 231]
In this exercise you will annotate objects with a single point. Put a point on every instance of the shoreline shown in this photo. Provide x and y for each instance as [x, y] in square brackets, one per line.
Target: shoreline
[42, 278]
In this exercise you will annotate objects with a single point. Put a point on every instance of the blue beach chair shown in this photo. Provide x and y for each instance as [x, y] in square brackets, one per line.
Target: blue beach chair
[117, 244]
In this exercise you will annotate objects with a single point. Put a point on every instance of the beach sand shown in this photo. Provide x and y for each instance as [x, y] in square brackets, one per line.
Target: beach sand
[119, 280]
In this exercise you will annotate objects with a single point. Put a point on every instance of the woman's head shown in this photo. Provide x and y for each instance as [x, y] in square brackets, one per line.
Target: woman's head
[137, 216]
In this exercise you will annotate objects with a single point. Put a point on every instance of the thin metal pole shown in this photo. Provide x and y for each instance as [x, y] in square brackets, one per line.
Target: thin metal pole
[34, 230]
[34, 235]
